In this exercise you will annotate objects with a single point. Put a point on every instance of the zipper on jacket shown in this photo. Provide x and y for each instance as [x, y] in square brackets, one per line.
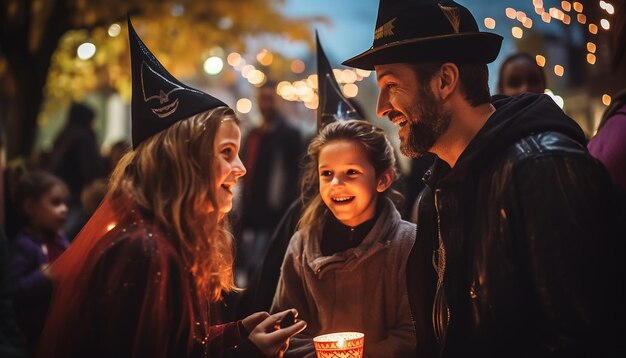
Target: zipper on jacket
[441, 319]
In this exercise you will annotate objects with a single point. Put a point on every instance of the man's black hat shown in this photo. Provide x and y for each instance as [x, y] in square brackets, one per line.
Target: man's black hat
[158, 99]
[426, 31]
[333, 106]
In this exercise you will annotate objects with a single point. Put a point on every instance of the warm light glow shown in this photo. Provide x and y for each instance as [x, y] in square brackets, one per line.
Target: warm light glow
[297, 66]
[244, 105]
[540, 11]
[288, 92]
[593, 28]
[86, 51]
[256, 78]
[350, 90]
[578, 7]
[233, 59]
[312, 104]
[606, 99]
[582, 18]
[280, 87]
[520, 16]
[527, 23]
[546, 17]
[610, 9]
[559, 70]
[605, 24]
[541, 60]
[566, 5]
[538, 3]
[247, 70]
[213, 65]
[363, 73]
[312, 81]
[349, 76]
[556, 98]
[490, 23]
[554, 12]
[567, 19]
[510, 13]
[591, 47]
[112, 225]
[343, 344]
[517, 32]
[602, 5]
[265, 57]
[338, 75]
[114, 30]
[591, 58]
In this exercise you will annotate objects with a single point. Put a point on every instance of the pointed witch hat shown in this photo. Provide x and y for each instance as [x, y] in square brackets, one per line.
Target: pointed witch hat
[333, 106]
[158, 99]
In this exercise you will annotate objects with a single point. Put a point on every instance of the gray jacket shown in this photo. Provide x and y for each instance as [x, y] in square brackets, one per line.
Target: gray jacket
[362, 289]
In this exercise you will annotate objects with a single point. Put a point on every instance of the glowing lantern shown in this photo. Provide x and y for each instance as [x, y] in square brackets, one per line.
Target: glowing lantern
[342, 344]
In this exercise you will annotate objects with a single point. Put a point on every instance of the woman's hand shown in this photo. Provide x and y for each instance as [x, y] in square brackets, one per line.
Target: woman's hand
[269, 340]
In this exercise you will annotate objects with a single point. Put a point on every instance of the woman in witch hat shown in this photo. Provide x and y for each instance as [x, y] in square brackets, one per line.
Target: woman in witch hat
[140, 277]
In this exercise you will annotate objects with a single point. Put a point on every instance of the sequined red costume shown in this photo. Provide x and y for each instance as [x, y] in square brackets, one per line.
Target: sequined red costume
[123, 290]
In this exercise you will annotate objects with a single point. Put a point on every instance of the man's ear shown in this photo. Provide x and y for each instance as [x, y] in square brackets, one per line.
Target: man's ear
[448, 80]
[385, 179]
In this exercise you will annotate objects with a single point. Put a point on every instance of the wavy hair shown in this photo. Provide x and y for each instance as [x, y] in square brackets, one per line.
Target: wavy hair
[377, 149]
[170, 176]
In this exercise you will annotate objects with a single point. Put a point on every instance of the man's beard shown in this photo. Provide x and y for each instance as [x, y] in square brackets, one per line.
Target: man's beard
[432, 123]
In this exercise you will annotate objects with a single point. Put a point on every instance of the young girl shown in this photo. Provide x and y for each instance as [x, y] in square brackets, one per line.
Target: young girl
[41, 199]
[139, 279]
[344, 269]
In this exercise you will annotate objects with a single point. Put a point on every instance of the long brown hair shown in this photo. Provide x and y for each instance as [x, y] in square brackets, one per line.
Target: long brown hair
[170, 176]
[377, 149]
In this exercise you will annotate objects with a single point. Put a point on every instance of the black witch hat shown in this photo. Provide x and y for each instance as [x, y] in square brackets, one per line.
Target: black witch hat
[158, 99]
[426, 31]
[333, 106]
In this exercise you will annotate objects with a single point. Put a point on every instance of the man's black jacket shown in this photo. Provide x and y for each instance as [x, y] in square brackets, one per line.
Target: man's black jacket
[516, 253]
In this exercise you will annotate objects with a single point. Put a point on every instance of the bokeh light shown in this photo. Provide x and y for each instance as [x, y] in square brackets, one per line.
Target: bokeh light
[213, 65]
[86, 51]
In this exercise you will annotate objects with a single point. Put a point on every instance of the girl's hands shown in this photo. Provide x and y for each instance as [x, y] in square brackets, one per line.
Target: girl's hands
[264, 335]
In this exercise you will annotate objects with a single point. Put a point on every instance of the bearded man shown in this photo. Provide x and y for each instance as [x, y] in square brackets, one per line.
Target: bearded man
[516, 253]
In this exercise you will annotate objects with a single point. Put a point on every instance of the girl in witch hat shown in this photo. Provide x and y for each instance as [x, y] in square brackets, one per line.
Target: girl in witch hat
[344, 269]
[139, 279]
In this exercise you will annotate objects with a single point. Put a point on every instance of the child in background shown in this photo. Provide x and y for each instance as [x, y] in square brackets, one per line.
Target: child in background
[344, 269]
[41, 200]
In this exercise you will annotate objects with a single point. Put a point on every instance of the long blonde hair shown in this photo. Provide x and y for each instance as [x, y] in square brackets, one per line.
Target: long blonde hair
[170, 176]
[377, 148]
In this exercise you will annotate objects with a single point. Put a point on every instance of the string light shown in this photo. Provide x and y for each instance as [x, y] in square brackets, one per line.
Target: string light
[541, 60]
[233, 59]
[490, 23]
[591, 47]
[578, 7]
[546, 17]
[244, 105]
[528, 23]
[510, 13]
[591, 59]
[566, 5]
[517, 32]
[559, 70]
[520, 16]
[582, 18]
[593, 28]
[606, 99]
[538, 3]
[605, 24]
[567, 19]
[297, 66]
